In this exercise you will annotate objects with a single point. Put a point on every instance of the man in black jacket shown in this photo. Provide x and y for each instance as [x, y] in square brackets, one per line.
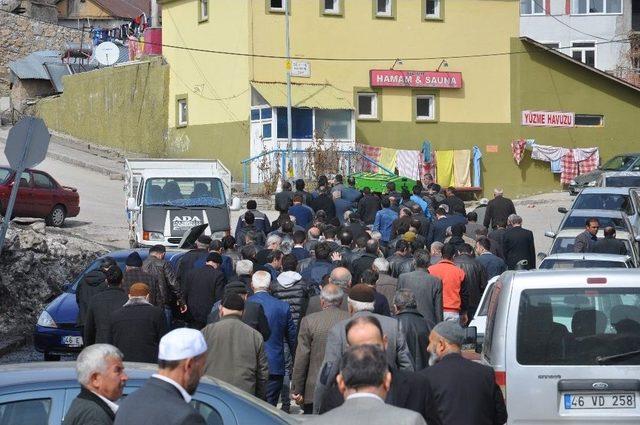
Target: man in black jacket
[324, 202]
[96, 329]
[92, 283]
[499, 208]
[133, 273]
[518, 245]
[475, 276]
[414, 326]
[284, 199]
[136, 327]
[253, 314]
[194, 258]
[102, 378]
[203, 287]
[407, 390]
[459, 391]
[456, 205]
[368, 206]
[610, 245]
[365, 261]
[169, 293]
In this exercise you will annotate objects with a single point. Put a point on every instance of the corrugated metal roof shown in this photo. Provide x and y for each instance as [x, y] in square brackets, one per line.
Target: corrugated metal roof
[321, 96]
[125, 8]
[31, 66]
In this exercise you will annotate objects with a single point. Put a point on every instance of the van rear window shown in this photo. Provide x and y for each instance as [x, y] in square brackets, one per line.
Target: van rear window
[578, 326]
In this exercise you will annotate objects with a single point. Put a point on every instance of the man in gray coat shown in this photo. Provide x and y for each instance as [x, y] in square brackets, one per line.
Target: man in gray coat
[102, 379]
[586, 240]
[312, 341]
[364, 381]
[426, 288]
[236, 351]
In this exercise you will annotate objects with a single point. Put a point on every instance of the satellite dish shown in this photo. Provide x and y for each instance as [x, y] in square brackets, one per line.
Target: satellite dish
[106, 53]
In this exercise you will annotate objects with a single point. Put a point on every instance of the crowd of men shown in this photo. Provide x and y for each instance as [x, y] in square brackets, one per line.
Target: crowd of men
[348, 299]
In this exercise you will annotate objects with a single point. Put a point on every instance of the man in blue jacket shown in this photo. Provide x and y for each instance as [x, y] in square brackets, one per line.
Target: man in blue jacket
[282, 328]
[384, 220]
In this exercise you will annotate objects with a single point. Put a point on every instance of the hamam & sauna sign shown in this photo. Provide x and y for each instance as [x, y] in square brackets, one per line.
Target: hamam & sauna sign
[548, 119]
[416, 79]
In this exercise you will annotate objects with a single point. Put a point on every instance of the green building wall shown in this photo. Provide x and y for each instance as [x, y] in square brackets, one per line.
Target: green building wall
[123, 107]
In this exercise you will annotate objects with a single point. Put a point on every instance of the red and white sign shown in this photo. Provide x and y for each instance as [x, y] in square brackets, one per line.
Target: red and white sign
[548, 119]
[417, 79]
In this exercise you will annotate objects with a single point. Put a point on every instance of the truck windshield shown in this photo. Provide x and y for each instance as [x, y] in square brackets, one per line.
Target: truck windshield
[184, 192]
[578, 326]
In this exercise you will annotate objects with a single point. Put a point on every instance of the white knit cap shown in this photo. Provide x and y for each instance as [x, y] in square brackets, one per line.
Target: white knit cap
[180, 344]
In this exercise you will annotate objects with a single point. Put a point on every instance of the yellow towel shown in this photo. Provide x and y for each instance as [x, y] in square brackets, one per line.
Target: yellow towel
[461, 169]
[388, 158]
[444, 159]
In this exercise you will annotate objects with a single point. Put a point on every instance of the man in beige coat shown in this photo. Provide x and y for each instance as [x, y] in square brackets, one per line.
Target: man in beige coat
[312, 341]
[236, 351]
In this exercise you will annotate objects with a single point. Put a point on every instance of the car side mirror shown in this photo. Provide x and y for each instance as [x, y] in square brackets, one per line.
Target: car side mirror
[235, 204]
[541, 256]
[132, 205]
[562, 210]
[550, 234]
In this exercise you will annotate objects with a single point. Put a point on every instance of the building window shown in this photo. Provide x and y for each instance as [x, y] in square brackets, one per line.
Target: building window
[331, 7]
[277, 5]
[384, 8]
[551, 45]
[425, 107]
[531, 7]
[204, 10]
[182, 111]
[262, 116]
[587, 7]
[584, 51]
[367, 106]
[584, 120]
[333, 124]
[432, 9]
[301, 123]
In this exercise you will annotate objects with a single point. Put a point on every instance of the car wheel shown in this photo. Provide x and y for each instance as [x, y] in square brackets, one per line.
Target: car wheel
[51, 357]
[56, 217]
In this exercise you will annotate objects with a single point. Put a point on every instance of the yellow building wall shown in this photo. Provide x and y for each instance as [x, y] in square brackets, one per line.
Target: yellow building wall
[469, 27]
[217, 85]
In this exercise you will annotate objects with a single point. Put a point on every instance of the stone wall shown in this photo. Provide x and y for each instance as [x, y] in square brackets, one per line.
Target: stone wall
[20, 35]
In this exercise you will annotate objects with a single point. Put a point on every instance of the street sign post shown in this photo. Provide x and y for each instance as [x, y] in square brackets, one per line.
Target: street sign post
[26, 147]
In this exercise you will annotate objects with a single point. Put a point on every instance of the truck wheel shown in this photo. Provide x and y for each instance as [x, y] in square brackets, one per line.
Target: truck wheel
[51, 357]
[56, 217]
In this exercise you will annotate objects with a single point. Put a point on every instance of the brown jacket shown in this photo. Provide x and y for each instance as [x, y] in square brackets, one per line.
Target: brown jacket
[312, 340]
[236, 355]
[387, 286]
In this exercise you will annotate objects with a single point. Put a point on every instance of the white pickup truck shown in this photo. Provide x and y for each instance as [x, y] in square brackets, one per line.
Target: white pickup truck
[165, 198]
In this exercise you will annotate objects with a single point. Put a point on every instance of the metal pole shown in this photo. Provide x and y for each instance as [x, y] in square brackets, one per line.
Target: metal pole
[155, 18]
[288, 55]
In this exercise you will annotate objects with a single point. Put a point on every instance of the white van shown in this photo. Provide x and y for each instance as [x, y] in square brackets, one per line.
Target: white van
[565, 345]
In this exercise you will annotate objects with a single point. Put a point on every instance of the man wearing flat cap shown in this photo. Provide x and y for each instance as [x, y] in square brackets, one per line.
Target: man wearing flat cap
[133, 273]
[165, 397]
[236, 351]
[203, 287]
[460, 391]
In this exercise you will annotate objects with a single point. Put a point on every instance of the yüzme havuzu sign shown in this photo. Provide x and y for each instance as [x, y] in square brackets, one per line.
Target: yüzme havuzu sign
[548, 119]
[417, 79]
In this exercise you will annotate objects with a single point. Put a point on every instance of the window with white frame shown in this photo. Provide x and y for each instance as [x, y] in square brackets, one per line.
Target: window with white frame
[425, 107]
[183, 112]
[277, 5]
[333, 124]
[367, 106]
[204, 10]
[432, 9]
[531, 7]
[383, 7]
[263, 116]
[586, 7]
[332, 7]
[584, 51]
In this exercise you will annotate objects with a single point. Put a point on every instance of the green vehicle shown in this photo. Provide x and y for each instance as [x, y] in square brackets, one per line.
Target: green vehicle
[377, 182]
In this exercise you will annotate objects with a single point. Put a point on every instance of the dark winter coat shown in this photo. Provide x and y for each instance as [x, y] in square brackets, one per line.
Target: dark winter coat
[416, 331]
[498, 209]
[253, 315]
[137, 275]
[92, 283]
[325, 202]
[96, 327]
[291, 288]
[203, 287]
[475, 279]
[168, 286]
[88, 408]
[368, 206]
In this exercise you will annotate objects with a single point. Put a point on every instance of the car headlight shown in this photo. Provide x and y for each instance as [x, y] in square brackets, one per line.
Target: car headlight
[152, 236]
[591, 184]
[46, 320]
[572, 183]
[218, 235]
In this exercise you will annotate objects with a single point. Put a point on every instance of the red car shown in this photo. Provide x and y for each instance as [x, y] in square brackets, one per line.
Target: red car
[40, 196]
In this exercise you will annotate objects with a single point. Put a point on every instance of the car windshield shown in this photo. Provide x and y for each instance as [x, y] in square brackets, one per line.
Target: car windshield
[622, 181]
[184, 192]
[578, 222]
[4, 174]
[604, 201]
[577, 326]
[565, 245]
[580, 264]
[618, 163]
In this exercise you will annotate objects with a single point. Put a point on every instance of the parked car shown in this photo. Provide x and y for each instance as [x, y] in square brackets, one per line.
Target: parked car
[41, 393]
[609, 198]
[39, 195]
[625, 162]
[565, 345]
[572, 260]
[576, 219]
[619, 179]
[565, 239]
[480, 317]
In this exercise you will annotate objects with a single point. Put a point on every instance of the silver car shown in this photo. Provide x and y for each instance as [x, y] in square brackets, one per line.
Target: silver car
[577, 218]
[565, 345]
[571, 260]
[619, 179]
[564, 241]
[610, 198]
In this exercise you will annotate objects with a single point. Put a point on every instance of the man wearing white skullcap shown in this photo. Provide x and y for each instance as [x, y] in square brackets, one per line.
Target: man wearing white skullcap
[164, 398]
